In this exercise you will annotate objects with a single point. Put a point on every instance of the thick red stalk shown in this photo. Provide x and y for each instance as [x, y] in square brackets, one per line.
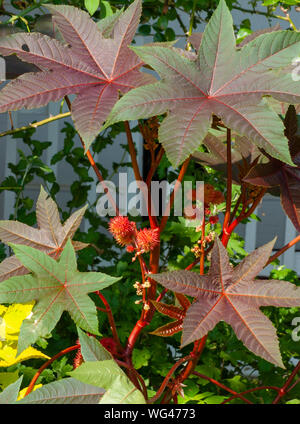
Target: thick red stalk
[154, 166]
[182, 172]
[228, 231]
[111, 322]
[283, 390]
[136, 170]
[95, 167]
[46, 364]
[229, 181]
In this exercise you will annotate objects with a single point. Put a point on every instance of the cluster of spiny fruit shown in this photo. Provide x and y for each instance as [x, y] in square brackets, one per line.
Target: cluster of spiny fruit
[136, 241]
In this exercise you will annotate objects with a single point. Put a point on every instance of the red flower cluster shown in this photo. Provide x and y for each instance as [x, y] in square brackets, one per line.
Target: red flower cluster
[147, 239]
[126, 234]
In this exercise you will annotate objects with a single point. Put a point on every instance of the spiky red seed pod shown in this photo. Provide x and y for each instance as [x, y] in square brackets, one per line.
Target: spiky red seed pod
[147, 239]
[122, 229]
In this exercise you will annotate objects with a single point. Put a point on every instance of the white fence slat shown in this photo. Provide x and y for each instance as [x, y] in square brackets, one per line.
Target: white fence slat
[53, 134]
[288, 258]
[250, 235]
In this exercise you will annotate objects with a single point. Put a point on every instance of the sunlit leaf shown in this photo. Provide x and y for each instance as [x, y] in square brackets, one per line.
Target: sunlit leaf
[65, 391]
[109, 376]
[56, 286]
[225, 80]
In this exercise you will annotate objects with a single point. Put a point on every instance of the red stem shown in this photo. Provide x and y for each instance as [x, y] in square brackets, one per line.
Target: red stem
[154, 166]
[140, 378]
[212, 380]
[111, 321]
[283, 389]
[46, 364]
[167, 378]
[136, 170]
[250, 391]
[182, 172]
[283, 249]
[95, 167]
[228, 231]
[229, 181]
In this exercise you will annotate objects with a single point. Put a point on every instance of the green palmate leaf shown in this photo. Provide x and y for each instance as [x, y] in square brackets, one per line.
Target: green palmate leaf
[10, 393]
[66, 391]
[232, 295]
[224, 80]
[109, 376]
[50, 236]
[56, 287]
[91, 349]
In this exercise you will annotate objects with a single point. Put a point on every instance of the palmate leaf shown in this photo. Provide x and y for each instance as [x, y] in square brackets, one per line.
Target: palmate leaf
[91, 65]
[277, 174]
[196, 38]
[244, 155]
[224, 80]
[232, 295]
[65, 391]
[109, 376]
[91, 349]
[10, 393]
[171, 311]
[56, 287]
[50, 236]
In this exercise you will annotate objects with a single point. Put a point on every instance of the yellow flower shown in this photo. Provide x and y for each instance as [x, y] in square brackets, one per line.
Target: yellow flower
[11, 319]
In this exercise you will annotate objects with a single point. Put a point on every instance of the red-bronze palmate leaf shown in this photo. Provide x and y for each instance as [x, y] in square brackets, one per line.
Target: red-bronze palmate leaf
[234, 296]
[172, 311]
[89, 64]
